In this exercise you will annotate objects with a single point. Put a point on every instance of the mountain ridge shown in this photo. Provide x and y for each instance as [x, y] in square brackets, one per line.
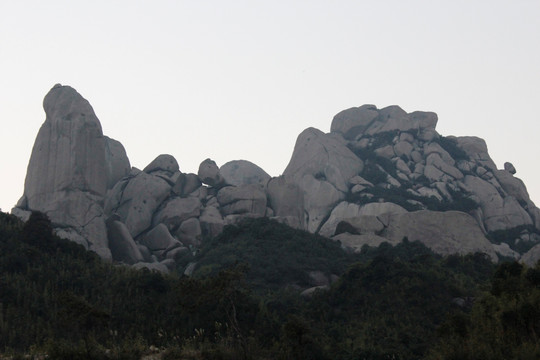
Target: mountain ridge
[371, 175]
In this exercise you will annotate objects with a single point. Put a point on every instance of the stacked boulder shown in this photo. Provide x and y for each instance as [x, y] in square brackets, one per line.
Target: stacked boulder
[380, 175]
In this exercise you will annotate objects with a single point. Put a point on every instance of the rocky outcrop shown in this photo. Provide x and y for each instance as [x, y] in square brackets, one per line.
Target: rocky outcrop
[209, 173]
[242, 172]
[380, 175]
[321, 165]
[67, 174]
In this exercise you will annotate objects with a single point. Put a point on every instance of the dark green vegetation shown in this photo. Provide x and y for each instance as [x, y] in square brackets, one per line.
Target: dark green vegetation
[512, 237]
[399, 302]
[378, 168]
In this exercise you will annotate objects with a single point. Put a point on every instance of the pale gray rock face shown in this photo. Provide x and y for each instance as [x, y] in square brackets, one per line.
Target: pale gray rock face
[512, 185]
[137, 201]
[403, 148]
[354, 121]
[449, 232]
[504, 250]
[159, 238]
[190, 231]
[209, 173]
[186, 184]
[476, 149]
[177, 210]
[498, 213]
[342, 211]
[67, 175]
[436, 160]
[377, 209]
[323, 157]
[211, 221]
[434, 148]
[320, 197]
[243, 199]
[116, 161]
[121, 244]
[366, 218]
[392, 118]
[242, 172]
[510, 168]
[164, 162]
[386, 151]
[286, 200]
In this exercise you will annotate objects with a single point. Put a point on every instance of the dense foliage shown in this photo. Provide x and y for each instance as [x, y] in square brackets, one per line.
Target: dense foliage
[503, 324]
[244, 302]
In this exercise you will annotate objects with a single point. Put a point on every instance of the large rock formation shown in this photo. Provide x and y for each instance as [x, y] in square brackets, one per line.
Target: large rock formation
[71, 166]
[380, 175]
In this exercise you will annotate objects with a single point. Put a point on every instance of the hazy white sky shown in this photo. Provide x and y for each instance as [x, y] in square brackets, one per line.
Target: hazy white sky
[241, 79]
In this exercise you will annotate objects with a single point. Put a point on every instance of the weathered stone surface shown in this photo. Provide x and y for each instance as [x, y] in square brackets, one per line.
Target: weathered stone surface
[186, 184]
[512, 185]
[403, 148]
[354, 121]
[402, 166]
[69, 151]
[176, 253]
[386, 152]
[323, 157]
[433, 173]
[286, 200]
[504, 250]
[67, 176]
[24, 215]
[448, 232]
[72, 235]
[346, 212]
[391, 118]
[177, 210]
[319, 199]
[121, 244]
[476, 149]
[434, 148]
[242, 172]
[211, 221]
[377, 209]
[342, 211]
[190, 231]
[164, 162]
[159, 238]
[138, 201]
[498, 213]
[436, 160]
[116, 161]
[243, 199]
[510, 168]
[209, 173]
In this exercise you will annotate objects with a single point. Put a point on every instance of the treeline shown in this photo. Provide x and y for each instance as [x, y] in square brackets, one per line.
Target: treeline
[243, 301]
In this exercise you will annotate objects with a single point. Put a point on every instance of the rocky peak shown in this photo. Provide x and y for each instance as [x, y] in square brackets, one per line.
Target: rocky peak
[378, 176]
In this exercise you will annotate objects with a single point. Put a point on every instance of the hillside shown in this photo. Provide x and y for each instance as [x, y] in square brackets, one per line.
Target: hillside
[59, 299]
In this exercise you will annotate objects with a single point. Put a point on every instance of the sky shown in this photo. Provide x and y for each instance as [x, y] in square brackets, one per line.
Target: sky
[231, 80]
